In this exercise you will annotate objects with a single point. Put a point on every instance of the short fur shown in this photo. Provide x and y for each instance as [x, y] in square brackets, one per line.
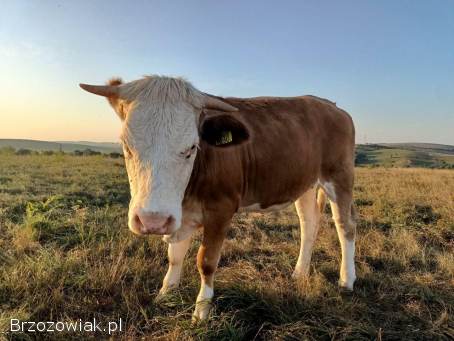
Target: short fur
[282, 150]
[295, 143]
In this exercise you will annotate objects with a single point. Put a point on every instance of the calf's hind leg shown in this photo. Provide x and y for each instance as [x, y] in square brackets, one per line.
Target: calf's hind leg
[309, 215]
[344, 219]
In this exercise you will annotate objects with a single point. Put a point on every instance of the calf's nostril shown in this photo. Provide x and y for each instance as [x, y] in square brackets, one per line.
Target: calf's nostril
[153, 222]
[137, 220]
[169, 221]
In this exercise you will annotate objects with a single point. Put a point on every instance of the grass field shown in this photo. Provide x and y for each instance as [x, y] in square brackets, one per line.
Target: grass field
[66, 254]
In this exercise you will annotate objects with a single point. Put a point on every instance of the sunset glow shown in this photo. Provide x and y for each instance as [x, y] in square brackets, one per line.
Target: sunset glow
[390, 66]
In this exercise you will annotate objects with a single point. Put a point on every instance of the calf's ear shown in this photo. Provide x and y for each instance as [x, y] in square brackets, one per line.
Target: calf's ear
[223, 131]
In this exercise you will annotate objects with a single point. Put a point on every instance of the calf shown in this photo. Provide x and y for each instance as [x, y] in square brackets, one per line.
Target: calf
[194, 159]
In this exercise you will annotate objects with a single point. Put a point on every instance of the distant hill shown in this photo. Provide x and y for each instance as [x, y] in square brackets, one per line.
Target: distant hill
[428, 155]
[429, 147]
[66, 146]
[109, 145]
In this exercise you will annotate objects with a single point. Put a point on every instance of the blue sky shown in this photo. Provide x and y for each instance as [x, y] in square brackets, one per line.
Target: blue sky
[389, 63]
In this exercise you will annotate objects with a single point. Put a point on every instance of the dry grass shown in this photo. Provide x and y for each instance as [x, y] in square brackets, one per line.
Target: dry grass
[66, 254]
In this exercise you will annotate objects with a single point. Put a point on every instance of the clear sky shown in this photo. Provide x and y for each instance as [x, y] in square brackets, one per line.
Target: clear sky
[389, 63]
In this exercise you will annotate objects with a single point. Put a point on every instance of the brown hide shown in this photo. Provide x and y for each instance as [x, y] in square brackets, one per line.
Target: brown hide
[293, 143]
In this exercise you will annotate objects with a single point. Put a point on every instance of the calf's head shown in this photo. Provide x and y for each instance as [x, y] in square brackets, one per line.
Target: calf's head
[161, 135]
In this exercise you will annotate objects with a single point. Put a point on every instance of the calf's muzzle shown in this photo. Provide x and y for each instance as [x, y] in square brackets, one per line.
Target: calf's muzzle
[152, 223]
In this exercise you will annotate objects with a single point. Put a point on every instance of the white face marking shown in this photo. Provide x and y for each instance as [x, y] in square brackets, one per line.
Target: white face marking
[257, 208]
[160, 145]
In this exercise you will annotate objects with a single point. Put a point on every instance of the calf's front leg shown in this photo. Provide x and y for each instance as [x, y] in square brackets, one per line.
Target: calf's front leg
[176, 254]
[207, 262]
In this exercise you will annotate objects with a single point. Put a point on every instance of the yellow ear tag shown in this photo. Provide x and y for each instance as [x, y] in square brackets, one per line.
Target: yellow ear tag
[225, 138]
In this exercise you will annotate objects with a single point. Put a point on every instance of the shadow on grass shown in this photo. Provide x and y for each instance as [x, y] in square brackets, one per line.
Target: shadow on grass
[421, 214]
[374, 224]
[387, 307]
[371, 312]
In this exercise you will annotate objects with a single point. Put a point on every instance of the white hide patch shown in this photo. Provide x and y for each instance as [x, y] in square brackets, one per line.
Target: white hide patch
[347, 273]
[258, 208]
[205, 293]
[203, 303]
[181, 234]
[306, 207]
[176, 254]
[328, 187]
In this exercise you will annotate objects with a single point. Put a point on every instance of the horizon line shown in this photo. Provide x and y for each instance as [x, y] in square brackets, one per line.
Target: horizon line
[114, 142]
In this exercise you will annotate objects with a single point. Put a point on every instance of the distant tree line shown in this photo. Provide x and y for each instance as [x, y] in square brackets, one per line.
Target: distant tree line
[361, 159]
[86, 152]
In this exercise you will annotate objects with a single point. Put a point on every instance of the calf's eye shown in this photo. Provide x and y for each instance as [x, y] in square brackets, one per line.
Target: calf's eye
[188, 152]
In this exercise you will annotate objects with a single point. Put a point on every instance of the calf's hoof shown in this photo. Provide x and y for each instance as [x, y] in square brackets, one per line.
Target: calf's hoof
[300, 274]
[201, 311]
[164, 293]
[346, 285]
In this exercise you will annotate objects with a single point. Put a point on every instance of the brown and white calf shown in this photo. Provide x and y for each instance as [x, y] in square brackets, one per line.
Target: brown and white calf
[194, 159]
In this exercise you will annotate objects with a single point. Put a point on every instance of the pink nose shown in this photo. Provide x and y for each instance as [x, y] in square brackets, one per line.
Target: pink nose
[152, 223]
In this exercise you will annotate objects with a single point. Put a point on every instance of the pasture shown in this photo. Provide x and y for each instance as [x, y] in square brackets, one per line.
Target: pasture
[66, 254]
